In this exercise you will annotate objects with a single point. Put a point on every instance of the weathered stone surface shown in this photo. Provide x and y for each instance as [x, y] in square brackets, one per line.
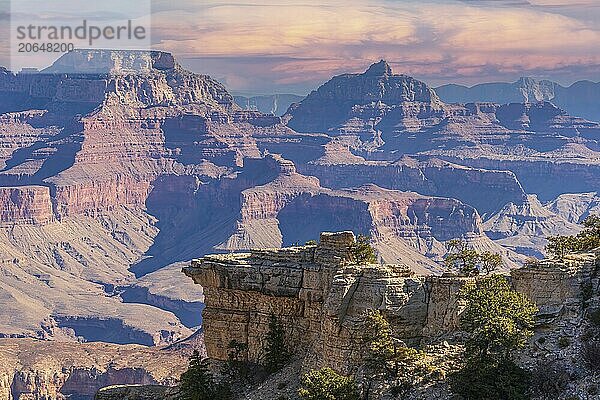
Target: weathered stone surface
[36, 370]
[319, 299]
[131, 392]
[25, 205]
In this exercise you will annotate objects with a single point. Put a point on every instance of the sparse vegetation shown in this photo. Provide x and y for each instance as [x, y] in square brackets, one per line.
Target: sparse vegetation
[388, 358]
[277, 353]
[468, 261]
[590, 353]
[326, 384]
[588, 239]
[362, 252]
[489, 379]
[385, 354]
[563, 342]
[499, 322]
[311, 243]
[237, 368]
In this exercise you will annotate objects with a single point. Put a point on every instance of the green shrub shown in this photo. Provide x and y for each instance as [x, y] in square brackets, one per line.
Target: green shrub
[590, 353]
[563, 342]
[587, 240]
[326, 384]
[549, 380]
[468, 261]
[594, 317]
[198, 382]
[491, 380]
[498, 319]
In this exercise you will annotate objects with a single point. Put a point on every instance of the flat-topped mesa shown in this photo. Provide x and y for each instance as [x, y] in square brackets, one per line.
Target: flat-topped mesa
[320, 299]
[112, 62]
[134, 78]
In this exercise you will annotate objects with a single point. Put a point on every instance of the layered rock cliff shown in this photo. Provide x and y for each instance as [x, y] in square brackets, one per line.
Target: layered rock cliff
[320, 299]
[57, 371]
[579, 99]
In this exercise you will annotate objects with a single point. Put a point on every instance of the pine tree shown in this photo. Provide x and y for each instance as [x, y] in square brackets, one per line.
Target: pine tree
[361, 252]
[277, 352]
[197, 383]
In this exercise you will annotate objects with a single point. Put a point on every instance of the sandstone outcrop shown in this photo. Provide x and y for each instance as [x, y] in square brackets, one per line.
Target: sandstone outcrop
[25, 205]
[320, 300]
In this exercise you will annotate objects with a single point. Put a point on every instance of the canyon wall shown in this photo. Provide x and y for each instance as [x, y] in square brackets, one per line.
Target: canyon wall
[25, 205]
[321, 299]
[57, 371]
[318, 297]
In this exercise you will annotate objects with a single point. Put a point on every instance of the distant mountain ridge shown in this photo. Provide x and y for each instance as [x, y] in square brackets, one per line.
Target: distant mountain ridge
[581, 99]
[276, 104]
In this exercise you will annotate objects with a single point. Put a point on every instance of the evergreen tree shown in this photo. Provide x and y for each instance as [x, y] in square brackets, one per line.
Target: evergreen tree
[385, 354]
[361, 252]
[197, 383]
[277, 353]
[587, 240]
[499, 321]
[468, 261]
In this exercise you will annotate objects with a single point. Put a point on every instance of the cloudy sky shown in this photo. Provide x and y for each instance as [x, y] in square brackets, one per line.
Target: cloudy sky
[292, 46]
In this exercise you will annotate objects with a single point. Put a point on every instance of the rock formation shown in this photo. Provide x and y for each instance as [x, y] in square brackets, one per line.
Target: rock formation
[276, 104]
[56, 370]
[320, 299]
[124, 164]
[581, 98]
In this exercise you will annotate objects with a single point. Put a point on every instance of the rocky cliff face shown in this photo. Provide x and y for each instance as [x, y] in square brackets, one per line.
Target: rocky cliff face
[276, 104]
[25, 205]
[526, 225]
[125, 163]
[337, 100]
[578, 99]
[320, 300]
[56, 371]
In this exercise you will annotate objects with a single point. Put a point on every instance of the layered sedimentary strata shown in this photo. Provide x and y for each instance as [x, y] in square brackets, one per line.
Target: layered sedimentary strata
[25, 205]
[320, 299]
[54, 370]
[581, 98]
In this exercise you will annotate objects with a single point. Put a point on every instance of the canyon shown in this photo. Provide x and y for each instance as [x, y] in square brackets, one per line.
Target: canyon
[580, 98]
[117, 172]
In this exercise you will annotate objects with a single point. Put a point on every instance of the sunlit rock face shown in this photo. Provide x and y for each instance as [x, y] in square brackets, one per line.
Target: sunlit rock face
[320, 300]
